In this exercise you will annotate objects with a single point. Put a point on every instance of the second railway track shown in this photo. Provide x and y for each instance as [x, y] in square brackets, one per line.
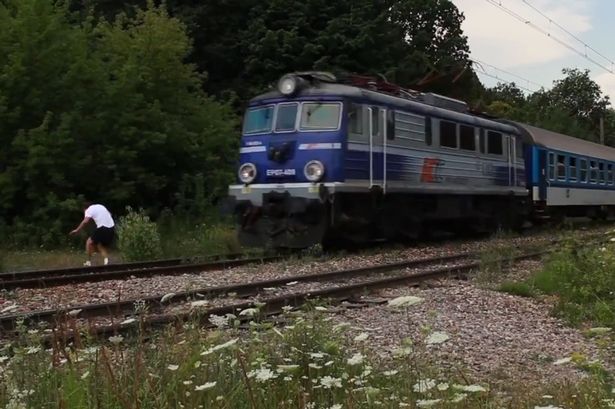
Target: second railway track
[390, 274]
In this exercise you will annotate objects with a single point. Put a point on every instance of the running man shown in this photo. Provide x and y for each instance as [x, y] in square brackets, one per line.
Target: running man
[104, 234]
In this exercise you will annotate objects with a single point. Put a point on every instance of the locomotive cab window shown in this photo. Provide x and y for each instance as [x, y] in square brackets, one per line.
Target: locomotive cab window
[561, 167]
[467, 138]
[494, 143]
[258, 120]
[320, 116]
[593, 171]
[448, 134]
[583, 171]
[572, 169]
[286, 117]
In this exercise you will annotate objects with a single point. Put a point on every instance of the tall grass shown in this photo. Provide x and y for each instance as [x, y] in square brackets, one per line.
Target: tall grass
[309, 363]
[183, 237]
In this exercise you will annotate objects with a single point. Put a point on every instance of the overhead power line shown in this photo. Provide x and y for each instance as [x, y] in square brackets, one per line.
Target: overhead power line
[528, 23]
[555, 23]
[496, 77]
[482, 64]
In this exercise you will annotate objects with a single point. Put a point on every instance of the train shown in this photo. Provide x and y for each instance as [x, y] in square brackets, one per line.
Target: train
[348, 160]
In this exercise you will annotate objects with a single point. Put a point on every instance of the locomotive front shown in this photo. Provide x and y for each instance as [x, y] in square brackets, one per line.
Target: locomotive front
[290, 158]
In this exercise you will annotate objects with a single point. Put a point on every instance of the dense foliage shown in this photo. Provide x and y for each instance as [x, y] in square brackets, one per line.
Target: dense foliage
[139, 238]
[106, 110]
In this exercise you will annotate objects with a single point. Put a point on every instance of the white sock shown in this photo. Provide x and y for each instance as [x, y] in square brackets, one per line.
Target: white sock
[88, 263]
[106, 261]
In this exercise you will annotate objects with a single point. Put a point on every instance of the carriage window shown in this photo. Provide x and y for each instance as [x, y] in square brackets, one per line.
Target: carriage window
[572, 172]
[355, 119]
[583, 171]
[593, 171]
[561, 167]
[494, 143]
[448, 134]
[320, 116]
[375, 120]
[390, 124]
[609, 174]
[286, 117]
[482, 141]
[519, 148]
[551, 166]
[601, 172]
[467, 140]
[258, 120]
[428, 130]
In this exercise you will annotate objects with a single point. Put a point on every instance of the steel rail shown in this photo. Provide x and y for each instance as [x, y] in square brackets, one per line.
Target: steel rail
[44, 282]
[274, 305]
[30, 274]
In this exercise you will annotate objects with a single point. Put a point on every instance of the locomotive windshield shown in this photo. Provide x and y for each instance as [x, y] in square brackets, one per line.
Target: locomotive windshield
[320, 116]
[258, 120]
[286, 118]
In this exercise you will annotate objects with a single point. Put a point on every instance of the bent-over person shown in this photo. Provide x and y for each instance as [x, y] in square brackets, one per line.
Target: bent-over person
[103, 235]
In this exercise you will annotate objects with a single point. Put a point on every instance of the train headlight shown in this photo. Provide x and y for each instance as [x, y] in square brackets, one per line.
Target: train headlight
[314, 170]
[288, 85]
[247, 173]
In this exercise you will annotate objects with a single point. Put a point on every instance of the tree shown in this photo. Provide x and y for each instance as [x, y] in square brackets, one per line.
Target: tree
[106, 110]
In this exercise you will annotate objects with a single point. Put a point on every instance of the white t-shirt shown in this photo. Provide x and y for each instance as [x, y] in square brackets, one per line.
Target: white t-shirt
[100, 215]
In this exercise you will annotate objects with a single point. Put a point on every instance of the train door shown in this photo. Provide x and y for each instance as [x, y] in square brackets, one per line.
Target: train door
[543, 180]
[377, 147]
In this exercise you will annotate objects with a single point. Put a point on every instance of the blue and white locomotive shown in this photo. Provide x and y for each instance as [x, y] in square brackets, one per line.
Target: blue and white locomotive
[323, 160]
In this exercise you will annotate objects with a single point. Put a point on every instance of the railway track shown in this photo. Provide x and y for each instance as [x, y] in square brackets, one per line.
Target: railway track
[51, 278]
[341, 287]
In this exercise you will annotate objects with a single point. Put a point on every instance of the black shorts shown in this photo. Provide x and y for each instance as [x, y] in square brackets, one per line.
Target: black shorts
[103, 235]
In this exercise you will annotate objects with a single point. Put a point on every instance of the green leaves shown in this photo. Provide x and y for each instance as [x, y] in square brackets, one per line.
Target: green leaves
[106, 110]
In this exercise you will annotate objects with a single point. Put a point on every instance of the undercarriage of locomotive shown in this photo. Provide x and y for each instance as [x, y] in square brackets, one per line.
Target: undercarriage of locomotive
[284, 221]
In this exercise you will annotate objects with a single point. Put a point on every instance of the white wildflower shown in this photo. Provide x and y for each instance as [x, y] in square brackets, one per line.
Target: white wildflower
[390, 373]
[221, 346]
[3, 358]
[262, 374]
[74, 313]
[458, 397]
[317, 355]
[426, 403]
[405, 301]
[329, 363]
[424, 385]
[116, 339]
[205, 386]
[356, 359]
[336, 406]
[188, 382]
[562, 361]
[218, 320]
[443, 386]
[329, 382]
[249, 312]
[470, 388]
[320, 308]
[197, 364]
[314, 366]
[361, 337]
[287, 308]
[32, 350]
[128, 321]
[167, 297]
[200, 303]
[85, 375]
[437, 337]
[288, 368]
[172, 367]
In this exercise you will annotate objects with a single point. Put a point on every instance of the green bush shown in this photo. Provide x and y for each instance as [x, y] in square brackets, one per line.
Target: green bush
[583, 279]
[519, 289]
[139, 238]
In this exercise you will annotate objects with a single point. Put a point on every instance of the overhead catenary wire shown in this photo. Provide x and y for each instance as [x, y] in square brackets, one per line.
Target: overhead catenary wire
[504, 81]
[482, 64]
[555, 23]
[527, 22]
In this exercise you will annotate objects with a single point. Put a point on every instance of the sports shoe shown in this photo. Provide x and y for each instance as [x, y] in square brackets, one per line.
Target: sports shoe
[106, 260]
[87, 263]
